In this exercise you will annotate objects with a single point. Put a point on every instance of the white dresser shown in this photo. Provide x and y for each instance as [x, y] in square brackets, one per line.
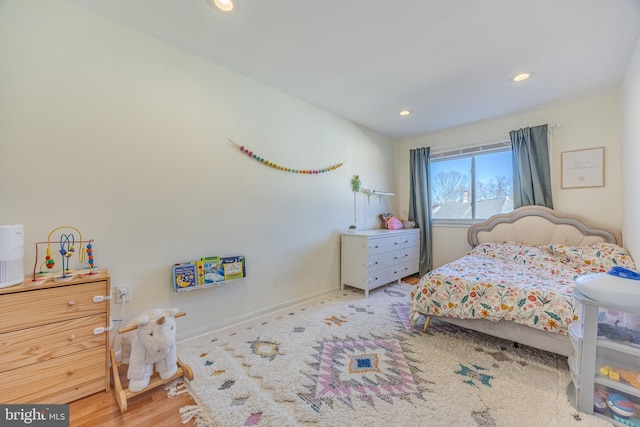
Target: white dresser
[374, 258]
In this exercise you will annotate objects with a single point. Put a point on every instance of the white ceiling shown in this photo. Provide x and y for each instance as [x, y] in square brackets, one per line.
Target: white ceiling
[449, 61]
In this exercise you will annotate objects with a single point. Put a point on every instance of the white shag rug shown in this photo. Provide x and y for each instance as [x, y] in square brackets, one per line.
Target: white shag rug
[346, 360]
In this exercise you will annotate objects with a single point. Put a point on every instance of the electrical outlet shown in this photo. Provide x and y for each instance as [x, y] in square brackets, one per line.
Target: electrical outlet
[123, 294]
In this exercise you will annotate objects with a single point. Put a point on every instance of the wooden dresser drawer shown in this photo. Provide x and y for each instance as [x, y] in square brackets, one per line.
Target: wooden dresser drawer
[48, 351]
[33, 345]
[56, 380]
[42, 306]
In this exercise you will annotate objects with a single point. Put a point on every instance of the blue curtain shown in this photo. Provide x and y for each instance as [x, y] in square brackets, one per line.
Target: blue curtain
[531, 170]
[420, 203]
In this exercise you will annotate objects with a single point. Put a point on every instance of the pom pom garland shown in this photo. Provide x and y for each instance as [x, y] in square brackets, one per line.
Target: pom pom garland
[273, 165]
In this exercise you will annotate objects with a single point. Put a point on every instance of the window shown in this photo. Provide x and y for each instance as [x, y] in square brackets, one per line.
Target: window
[472, 184]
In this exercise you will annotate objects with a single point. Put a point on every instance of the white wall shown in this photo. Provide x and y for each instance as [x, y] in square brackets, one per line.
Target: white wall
[125, 137]
[631, 150]
[585, 123]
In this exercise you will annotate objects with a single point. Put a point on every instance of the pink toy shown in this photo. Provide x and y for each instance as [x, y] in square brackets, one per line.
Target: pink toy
[394, 223]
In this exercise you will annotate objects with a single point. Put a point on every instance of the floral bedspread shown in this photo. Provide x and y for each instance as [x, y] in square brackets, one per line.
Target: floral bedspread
[530, 285]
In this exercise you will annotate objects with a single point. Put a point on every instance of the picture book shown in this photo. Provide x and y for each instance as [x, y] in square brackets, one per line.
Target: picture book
[213, 271]
[185, 276]
[233, 267]
[207, 271]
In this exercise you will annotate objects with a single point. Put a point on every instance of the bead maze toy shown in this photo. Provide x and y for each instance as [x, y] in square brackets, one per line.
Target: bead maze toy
[66, 247]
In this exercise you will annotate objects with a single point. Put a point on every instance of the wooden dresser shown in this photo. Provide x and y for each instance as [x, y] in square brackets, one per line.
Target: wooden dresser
[49, 349]
[376, 257]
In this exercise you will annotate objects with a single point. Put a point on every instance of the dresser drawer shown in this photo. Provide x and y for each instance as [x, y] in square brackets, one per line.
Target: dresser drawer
[56, 380]
[42, 306]
[405, 269]
[404, 255]
[410, 240]
[382, 244]
[379, 278]
[33, 345]
[379, 261]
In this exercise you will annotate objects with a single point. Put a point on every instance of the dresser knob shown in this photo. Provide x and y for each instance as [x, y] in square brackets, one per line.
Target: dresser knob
[71, 338]
[70, 372]
[71, 303]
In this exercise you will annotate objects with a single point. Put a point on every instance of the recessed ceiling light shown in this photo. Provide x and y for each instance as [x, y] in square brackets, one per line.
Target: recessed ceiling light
[522, 77]
[405, 113]
[223, 5]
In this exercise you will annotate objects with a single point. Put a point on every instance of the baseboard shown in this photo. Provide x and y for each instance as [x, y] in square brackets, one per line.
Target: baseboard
[253, 315]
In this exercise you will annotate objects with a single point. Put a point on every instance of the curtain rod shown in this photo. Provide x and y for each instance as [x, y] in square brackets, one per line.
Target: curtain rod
[491, 141]
[477, 145]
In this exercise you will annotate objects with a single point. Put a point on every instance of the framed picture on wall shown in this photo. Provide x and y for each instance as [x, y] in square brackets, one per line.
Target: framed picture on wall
[583, 168]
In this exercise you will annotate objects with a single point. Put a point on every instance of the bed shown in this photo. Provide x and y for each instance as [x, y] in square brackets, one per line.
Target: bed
[517, 280]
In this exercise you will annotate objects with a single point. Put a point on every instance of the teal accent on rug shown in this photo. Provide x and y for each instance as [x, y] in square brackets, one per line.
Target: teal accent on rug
[346, 360]
[475, 375]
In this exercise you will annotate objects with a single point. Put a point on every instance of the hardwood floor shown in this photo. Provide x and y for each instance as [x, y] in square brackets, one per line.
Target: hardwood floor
[151, 408]
[412, 280]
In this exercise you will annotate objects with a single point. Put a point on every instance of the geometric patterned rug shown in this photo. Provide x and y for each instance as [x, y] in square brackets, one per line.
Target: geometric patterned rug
[347, 360]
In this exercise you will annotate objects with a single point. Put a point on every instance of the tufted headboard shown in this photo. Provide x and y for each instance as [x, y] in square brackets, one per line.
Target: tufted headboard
[539, 225]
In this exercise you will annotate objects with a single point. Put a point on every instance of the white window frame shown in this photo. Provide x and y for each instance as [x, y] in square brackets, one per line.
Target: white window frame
[464, 152]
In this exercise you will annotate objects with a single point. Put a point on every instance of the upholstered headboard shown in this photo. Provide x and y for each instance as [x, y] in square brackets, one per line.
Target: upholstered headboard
[538, 225]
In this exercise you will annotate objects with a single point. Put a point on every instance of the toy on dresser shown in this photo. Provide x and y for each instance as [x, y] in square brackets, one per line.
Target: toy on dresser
[63, 240]
[151, 344]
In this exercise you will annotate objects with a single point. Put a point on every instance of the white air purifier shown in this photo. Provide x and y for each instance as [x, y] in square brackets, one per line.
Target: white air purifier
[11, 255]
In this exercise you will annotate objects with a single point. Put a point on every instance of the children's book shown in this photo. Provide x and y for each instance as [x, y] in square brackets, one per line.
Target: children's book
[233, 267]
[207, 271]
[185, 276]
[213, 271]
